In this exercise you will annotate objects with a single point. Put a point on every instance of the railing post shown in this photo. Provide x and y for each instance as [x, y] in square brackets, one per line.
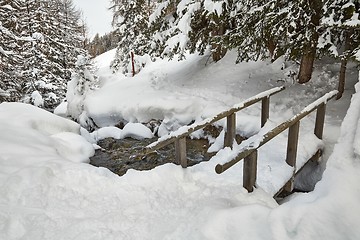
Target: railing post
[180, 152]
[265, 106]
[231, 130]
[249, 171]
[291, 153]
[320, 118]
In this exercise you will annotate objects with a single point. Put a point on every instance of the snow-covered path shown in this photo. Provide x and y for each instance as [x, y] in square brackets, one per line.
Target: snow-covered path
[48, 191]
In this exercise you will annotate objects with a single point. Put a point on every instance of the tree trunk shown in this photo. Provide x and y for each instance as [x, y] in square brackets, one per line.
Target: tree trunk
[218, 51]
[306, 65]
[341, 86]
[271, 46]
[344, 60]
[308, 57]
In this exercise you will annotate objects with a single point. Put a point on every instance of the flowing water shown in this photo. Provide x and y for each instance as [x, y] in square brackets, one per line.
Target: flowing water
[119, 155]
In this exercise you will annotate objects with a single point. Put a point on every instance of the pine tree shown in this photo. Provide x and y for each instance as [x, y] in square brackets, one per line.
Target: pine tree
[102, 44]
[54, 26]
[39, 47]
[82, 81]
[171, 26]
[279, 27]
[208, 28]
[254, 34]
[342, 35]
[9, 56]
[161, 27]
[130, 20]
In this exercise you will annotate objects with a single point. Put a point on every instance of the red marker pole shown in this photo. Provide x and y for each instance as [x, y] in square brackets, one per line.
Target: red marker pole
[132, 63]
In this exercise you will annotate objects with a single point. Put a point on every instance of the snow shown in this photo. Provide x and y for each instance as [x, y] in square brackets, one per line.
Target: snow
[131, 130]
[48, 191]
[137, 131]
[4, 93]
[185, 130]
[8, 7]
[156, 14]
[214, 6]
[38, 36]
[37, 99]
[61, 109]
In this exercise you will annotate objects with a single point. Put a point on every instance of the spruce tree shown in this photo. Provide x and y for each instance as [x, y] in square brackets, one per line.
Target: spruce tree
[130, 20]
[254, 34]
[208, 27]
[82, 81]
[10, 57]
[279, 27]
[40, 42]
[342, 35]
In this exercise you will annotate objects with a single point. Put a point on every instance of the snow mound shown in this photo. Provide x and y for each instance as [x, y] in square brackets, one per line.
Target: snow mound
[132, 130]
[40, 135]
[30, 117]
[137, 131]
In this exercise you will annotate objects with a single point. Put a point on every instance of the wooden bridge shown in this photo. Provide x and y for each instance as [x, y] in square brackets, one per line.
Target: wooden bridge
[249, 151]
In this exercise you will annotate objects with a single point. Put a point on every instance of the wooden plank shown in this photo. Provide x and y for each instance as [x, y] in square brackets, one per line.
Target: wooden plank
[319, 123]
[291, 153]
[230, 131]
[293, 138]
[247, 150]
[180, 152]
[265, 109]
[249, 171]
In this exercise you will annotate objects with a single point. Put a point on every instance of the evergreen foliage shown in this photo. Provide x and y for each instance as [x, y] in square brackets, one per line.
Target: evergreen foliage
[341, 22]
[341, 36]
[9, 56]
[208, 28]
[101, 44]
[42, 40]
[82, 81]
[275, 28]
[130, 20]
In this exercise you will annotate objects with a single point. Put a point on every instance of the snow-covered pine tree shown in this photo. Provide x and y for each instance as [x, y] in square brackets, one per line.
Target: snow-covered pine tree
[102, 44]
[253, 35]
[303, 36]
[9, 50]
[208, 27]
[54, 28]
[40, 40]
[37, 69]
[282, 27]
[180, 26]
[341, 35]
[82, 81]
[130, 19]
[194, 25]
[162, 24]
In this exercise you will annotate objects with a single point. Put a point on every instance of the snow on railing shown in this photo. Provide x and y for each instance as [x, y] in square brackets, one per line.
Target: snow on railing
[247, 150]
[187, 130]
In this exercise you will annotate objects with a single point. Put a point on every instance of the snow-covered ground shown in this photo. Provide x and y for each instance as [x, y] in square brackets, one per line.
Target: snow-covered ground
[48, 191]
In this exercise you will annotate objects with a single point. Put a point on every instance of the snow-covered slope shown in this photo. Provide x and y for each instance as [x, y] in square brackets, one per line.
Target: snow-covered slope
[179, 92]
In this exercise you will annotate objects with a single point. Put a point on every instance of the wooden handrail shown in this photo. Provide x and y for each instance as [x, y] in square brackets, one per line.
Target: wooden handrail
[187, 130]
[253, 146]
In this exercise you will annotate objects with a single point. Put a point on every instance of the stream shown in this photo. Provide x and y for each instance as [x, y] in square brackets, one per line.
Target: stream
[119, 155]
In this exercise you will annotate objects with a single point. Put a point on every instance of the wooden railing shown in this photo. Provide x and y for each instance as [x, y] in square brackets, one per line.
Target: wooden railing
[249, 152]
[179, 136]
